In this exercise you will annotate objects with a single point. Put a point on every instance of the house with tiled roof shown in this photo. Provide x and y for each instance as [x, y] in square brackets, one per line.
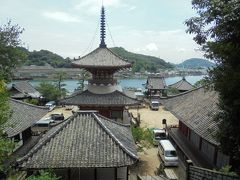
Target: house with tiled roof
[155, 86]
[23, 117]
[182, 85]
[23, 90]
[196, 135]
[103, 93]
[84, 146]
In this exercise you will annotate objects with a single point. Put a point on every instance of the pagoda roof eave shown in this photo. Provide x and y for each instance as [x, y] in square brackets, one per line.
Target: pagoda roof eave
[87, 98]
[102, 58]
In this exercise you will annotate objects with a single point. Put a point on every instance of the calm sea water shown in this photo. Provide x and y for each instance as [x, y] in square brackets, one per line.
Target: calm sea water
[135, 83]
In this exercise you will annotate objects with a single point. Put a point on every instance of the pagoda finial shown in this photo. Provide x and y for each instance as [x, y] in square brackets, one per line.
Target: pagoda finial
[102, 29]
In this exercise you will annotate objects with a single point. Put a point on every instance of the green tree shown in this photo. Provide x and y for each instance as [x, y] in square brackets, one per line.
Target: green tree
[10, 53]
[202, 82]
[6, 145]
[142, 136]
[50, 91]
[217, 30]
[44, 175]
[172, 91]
[60, 76]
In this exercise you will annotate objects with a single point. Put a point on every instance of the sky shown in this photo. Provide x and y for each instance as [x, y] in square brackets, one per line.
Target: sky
[70, 28]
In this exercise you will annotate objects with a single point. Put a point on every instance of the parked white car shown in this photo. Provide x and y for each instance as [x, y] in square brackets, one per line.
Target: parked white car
[167, 153]
[51, 105]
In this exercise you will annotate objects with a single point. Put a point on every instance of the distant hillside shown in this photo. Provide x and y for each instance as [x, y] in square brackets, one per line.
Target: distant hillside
[42, 57]
[142, 62]
[196, 63]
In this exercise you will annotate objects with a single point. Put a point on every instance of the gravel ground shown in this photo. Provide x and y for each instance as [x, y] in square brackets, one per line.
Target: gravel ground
[150, 118]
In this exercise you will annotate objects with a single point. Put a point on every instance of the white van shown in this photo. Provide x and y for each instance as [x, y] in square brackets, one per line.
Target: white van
[167, 153]
[154, 105]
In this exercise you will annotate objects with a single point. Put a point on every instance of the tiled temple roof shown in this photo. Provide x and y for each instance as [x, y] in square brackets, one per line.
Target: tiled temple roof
[182, 85]
[155, 82]
[25, 89]
[86, 97]
[23, 116]
[84, 140]
[196, 109]
[102, 58]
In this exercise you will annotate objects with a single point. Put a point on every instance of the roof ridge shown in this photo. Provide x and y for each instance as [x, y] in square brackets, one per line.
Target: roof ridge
[113, 137]
[52, 135]
[175, 83]
[28, 104]
[183, 93]
[126, 95]
[88, 54]
[111, 120]
[118, 56]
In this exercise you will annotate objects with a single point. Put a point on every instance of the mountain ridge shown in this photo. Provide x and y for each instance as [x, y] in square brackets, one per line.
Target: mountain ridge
[196, 63]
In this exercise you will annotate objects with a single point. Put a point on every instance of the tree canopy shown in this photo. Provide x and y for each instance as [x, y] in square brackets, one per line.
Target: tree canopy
[10, 53]
[217, 30]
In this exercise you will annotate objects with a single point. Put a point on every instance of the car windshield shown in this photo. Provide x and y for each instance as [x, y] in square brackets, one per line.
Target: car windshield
[170, 153]
[155, 104]
[159, 136]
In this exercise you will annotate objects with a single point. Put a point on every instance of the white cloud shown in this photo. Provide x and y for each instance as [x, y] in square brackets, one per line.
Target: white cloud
[92, 7]
[151, 47]
[61, 16]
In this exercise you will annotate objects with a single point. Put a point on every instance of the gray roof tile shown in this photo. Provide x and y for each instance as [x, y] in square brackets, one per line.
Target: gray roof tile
[182, 85]
[155, 82]
[100, 58]
[86, 97]
[23, 116]
[26, 88]
[196, 108]
[83, 140]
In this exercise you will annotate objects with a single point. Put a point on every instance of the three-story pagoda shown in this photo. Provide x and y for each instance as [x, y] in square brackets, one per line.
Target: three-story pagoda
[103, 92]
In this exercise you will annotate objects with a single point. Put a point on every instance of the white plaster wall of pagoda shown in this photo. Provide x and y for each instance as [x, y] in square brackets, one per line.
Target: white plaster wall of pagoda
[103, 89]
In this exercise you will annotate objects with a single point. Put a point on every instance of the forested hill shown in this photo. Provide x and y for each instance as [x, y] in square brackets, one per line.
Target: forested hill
[196, 63]
[142, 62]
[42, 57]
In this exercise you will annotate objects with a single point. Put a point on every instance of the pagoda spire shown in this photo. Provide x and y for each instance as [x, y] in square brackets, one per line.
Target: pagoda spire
[102, 29]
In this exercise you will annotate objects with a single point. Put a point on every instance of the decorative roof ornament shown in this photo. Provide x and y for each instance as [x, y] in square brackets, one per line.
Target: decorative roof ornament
[102, 29]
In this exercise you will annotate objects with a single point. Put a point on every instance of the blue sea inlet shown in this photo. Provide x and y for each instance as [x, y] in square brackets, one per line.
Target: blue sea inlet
[71, 85]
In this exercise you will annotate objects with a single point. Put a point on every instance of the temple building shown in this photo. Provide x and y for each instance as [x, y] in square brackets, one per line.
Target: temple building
[155, 86]
[102, 92]
[196, 136]
[84, 146]
[182, 86]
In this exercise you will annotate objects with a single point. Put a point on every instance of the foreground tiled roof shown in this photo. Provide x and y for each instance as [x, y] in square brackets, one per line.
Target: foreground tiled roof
[182, 85]
[84, 140]
[86, 97]
[155, 82]
[23, 116]
[196, 108]
[25, 88]
[102, 57]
